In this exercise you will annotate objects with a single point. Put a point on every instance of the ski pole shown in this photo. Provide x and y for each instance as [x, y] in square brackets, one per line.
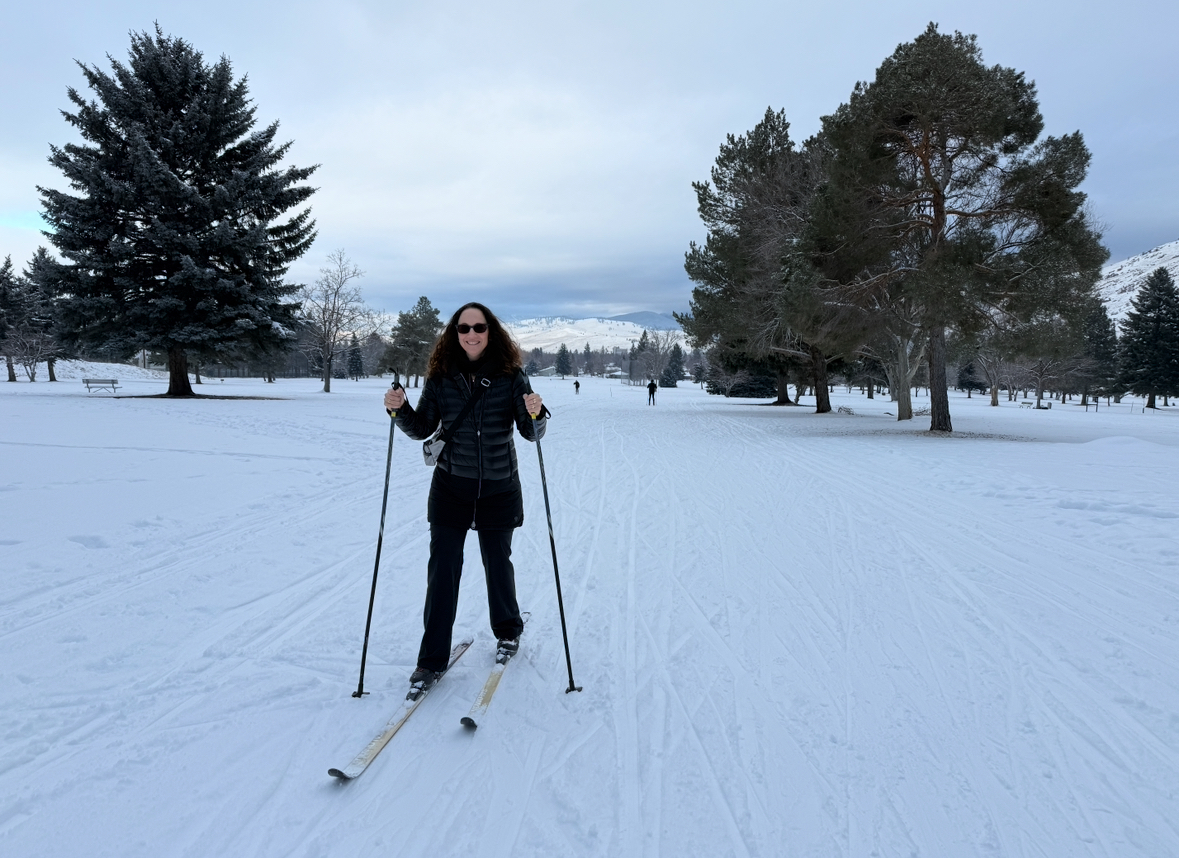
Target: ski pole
[556, 575]
[360, 692]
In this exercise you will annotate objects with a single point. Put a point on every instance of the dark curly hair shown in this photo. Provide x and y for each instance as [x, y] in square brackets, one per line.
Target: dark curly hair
[502, 354]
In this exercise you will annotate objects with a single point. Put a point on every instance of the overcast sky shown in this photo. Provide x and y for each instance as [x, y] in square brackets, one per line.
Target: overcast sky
[538, 156]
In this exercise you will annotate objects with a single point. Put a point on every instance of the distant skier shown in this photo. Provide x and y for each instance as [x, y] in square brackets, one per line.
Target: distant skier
[476, 484]
[651, 388]
[577, 387]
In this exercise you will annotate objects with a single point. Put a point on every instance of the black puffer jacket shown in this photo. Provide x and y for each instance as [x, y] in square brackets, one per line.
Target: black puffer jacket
[476, 482]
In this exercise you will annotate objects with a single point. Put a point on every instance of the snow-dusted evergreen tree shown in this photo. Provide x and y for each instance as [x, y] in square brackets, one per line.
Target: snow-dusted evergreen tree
[564, 364]
[172, 237]
[1149, 345]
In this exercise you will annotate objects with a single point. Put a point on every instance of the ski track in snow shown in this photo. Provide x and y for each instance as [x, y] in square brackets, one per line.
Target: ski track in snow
[797, 634]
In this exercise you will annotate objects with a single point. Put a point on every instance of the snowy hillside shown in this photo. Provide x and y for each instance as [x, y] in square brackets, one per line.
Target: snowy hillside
[549, 333]
[799, 635]
[1120, 282]
[75, 370]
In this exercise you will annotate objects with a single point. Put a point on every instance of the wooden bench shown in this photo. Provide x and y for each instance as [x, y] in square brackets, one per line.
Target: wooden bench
[111, 384]
[1045, 405]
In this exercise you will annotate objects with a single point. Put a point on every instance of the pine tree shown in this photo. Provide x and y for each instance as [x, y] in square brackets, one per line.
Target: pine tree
[635, 356]
[968, 379]
[413, 338]
[750, 301]
[564, 365]
[587, 361]
[355, 360]
[10, 314]
[961, 212]
[43, 279]
[674, 370]
[1100, 370]
[1149, 345]
[172, 240]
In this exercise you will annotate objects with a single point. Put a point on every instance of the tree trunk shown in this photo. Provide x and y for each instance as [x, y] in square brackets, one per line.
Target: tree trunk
[939, 394]
[196, 373]
[1150, 400]
[822, 395]
[327, 371]
[783, 389]
[178, 372]
[904, 378]
[49, 365]
[11, 368]
[995, 394]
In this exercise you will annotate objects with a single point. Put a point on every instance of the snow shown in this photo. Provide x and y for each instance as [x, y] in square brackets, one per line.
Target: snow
[808, 635]
[1120, 282]
[550, 332]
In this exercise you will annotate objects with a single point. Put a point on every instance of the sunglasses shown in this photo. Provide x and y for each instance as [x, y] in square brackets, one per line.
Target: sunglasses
[478, 327]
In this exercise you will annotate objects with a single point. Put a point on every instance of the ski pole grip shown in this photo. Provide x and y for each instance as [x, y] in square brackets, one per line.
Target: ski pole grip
[396, 386]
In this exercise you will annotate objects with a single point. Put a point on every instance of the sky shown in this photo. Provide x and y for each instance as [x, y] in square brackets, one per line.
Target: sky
[539, 156]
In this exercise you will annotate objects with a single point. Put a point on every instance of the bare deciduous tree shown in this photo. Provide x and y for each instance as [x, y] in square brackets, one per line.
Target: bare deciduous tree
[333, 311]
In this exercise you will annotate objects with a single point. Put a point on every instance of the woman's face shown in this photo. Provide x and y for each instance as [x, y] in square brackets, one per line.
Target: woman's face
[472, 341]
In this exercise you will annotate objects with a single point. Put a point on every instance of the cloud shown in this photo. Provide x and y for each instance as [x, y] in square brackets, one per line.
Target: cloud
[543, 152]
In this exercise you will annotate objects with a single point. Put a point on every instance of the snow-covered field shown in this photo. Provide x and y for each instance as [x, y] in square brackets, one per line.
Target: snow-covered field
[798, 635]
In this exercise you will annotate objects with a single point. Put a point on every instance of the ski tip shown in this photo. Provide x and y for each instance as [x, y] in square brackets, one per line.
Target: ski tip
[336, 773]
[469, 723]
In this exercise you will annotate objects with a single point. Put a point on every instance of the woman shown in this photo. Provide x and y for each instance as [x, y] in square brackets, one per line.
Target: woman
[476, 483]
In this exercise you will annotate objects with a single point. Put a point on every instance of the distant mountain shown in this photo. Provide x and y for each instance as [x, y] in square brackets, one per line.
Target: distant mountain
[1121, 281]
[650, 321]
[548, 333]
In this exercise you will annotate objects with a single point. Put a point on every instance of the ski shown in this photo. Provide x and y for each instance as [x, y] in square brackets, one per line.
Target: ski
[356, 768]
[479, 709]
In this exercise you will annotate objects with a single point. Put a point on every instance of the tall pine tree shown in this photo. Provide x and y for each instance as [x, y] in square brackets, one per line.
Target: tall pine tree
[674, 370]
[1149, 345]
[172, 240]
[10, 313]
[1099, 373]
[564, 364]
[945, 204]
[355, 360]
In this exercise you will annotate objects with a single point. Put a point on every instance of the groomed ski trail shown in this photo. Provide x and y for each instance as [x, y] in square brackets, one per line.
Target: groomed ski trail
[825, 634]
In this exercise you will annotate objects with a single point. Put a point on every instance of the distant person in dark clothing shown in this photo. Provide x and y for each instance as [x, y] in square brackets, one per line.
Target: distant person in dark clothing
[577, 387]
[476, 483]
[651, 388]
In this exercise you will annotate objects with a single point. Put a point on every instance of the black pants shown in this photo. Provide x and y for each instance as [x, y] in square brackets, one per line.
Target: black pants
[442, 589]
